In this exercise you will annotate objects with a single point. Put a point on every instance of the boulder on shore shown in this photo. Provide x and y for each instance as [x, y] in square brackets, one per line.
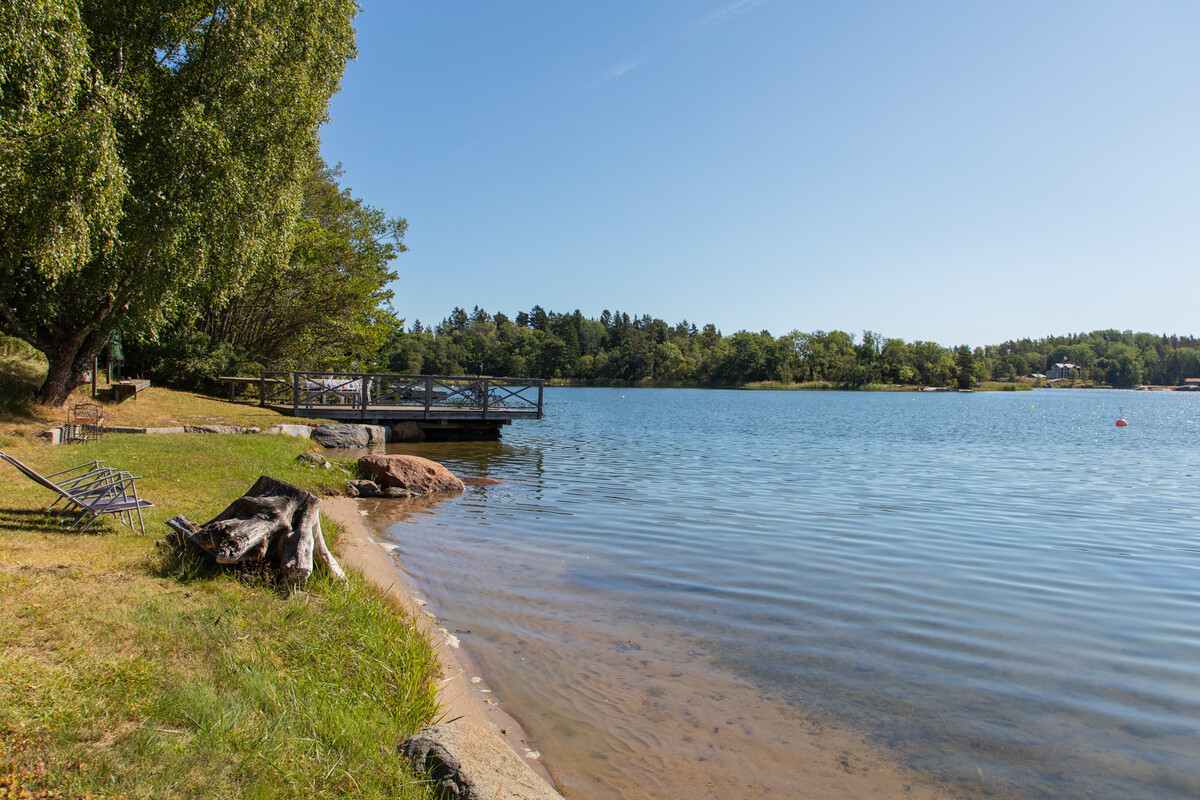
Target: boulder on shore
[414, 473]
[341, 436]
[377, 434]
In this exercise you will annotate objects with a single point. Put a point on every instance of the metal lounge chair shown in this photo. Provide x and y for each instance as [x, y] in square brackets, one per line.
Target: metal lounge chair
[91, 489]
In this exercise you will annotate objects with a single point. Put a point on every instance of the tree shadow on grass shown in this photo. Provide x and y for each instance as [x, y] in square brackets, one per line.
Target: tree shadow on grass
[39, 520]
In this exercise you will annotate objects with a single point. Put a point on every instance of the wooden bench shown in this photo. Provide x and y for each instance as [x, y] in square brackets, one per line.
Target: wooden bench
[129, 387]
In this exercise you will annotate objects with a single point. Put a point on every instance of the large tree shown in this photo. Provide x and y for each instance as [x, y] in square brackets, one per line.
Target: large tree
[149, 148]
[328, 307]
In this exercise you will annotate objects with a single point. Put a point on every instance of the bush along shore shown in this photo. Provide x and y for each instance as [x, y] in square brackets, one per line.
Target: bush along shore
[130, 669]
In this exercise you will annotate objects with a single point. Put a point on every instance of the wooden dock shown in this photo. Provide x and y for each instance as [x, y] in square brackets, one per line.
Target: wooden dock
[443, 406]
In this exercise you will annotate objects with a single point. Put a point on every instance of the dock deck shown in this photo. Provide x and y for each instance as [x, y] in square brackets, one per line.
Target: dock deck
[438, 403]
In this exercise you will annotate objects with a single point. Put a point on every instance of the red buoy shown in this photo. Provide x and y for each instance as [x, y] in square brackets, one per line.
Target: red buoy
[1121, 423]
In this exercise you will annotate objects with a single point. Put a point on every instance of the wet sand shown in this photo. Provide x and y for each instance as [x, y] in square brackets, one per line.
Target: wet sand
[620, 716]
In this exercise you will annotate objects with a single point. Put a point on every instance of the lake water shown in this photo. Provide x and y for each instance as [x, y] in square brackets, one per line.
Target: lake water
[689, 593]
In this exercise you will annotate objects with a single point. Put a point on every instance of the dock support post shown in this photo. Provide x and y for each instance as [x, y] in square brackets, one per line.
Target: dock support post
[541, 384]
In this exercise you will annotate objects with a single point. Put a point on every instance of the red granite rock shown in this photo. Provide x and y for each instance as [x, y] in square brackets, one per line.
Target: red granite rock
[481, 482]
[410, 472]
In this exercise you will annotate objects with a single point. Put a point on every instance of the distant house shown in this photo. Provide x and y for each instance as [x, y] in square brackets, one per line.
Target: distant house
[1191, 385]
[1065, 371]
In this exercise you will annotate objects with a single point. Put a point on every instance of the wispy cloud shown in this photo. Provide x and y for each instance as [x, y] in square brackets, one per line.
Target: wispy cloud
[712, 19]
[724, 14]
[622, 68]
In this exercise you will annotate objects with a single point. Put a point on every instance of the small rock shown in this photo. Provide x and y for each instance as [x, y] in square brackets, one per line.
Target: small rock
[312, 458]
[363, 489]
[397, 492]
[54, 435]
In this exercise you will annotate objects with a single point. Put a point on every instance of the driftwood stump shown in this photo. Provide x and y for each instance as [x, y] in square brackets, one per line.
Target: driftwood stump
[274, 521]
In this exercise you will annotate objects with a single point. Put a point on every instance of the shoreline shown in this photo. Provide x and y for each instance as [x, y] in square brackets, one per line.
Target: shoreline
[462, 692]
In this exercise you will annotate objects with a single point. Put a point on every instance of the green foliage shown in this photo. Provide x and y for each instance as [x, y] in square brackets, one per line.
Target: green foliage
[964, 367]
[149, 148]
[326, 307]
[186, 358]
[618, 348]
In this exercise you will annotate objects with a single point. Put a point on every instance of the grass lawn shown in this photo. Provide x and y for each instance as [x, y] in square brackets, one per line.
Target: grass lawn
[127, 672]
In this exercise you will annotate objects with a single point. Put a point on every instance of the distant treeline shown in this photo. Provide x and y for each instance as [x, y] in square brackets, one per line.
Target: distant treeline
[618, 348]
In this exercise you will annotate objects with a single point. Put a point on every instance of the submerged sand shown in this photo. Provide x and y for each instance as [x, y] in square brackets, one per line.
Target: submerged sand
[664, 733]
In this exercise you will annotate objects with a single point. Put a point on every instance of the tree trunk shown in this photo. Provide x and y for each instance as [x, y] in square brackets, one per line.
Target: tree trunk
[68, 363]
[273, 521]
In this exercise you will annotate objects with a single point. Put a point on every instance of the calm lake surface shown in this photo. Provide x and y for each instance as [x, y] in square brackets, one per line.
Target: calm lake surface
[673, 588]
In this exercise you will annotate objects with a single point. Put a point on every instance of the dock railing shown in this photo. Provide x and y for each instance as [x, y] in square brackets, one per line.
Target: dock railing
[376, 392]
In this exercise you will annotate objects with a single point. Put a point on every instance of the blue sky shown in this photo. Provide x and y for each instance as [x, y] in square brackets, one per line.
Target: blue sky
[948, 171]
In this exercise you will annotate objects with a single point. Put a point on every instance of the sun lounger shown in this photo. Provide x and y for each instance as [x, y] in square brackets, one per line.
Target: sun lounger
[91, 489]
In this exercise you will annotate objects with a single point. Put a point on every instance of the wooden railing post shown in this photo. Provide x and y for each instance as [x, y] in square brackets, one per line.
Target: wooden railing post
[295, 394]
[363, 395]
[428, 394]
[262, 389]
[483, 387]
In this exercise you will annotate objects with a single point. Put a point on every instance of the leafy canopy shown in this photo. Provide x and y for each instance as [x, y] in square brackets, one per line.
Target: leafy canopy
[148, 149]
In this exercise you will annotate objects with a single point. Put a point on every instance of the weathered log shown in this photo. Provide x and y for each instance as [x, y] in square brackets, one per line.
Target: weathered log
[275, 521]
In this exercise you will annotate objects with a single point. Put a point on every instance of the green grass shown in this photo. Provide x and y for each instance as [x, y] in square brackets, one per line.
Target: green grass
[127, 671]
